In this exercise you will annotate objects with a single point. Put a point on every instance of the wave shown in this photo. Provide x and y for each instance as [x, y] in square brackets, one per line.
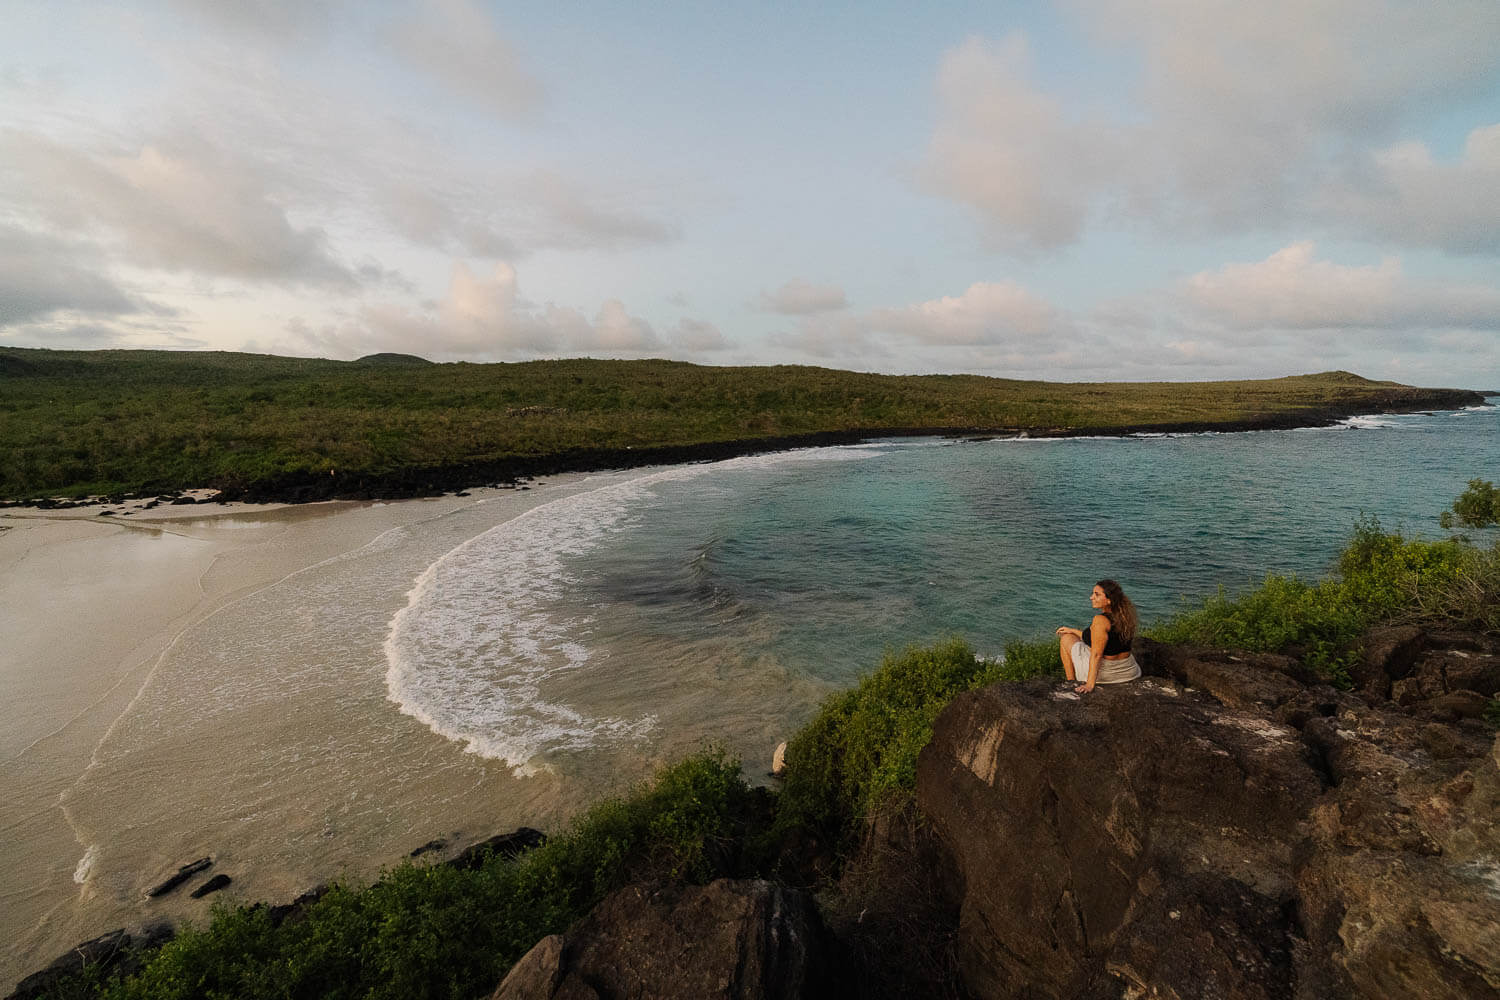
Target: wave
[487, 625]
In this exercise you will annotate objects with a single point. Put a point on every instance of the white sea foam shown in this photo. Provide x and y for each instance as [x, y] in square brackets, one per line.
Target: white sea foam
[1368, 421]
[484, 626]
[86, 864]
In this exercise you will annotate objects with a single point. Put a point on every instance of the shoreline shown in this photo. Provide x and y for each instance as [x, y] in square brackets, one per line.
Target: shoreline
[510, 473]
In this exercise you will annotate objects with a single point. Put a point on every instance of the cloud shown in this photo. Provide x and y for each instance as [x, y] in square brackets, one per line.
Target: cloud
[990, 325]
[40, 275]
[481, 317]
[1239, 116]
[456, 43]
[986, 313]
[1404, 195]
[800, 298]
[583, 219]
[1009, 150]
[698, 336]
[174, 205]
[1293, 290]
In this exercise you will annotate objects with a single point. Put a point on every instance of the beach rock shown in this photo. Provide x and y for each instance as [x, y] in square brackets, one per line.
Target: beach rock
[294, 910]
[1464, 670]
[214, 884]
[729, 939]
[184, 873]
[506, 845]
[428, 848]
[1389, 653]
[1149, 840]
[1232, 677]
[115, 952]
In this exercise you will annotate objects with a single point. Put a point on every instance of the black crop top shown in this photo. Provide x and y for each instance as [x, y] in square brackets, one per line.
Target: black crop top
[1113, 644]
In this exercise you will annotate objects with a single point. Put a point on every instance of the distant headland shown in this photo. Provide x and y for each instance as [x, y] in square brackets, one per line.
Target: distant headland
[267, 428]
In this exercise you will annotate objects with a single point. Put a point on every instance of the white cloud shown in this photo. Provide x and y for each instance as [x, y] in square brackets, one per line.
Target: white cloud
[579, 218]
[41, 275]
[175, 205]
[1293, 290]
[698, 336]
[1241, 116]
[1009, 150]
[986, 313]
[1406, 196]
[990, 326]
[458, 44]
[481, 317]
[800, 298]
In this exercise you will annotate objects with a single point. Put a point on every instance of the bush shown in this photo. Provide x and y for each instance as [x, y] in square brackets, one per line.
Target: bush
[1476, 507]
[1381, 577]
[860, 751]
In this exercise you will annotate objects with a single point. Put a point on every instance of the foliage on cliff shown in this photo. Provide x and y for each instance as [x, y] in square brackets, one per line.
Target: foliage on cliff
[1381, 577]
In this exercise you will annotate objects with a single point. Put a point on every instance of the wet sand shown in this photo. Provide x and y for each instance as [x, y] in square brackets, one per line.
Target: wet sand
[210, 681]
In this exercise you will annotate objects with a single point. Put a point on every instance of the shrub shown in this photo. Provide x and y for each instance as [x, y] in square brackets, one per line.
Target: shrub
[1381, 577]
[860, 751]
[1476, 507]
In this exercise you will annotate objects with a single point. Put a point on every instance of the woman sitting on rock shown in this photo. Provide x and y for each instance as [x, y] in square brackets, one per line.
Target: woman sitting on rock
[1100, 654]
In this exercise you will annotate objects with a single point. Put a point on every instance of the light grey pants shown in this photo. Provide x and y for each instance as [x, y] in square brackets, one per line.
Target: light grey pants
[1110, 671]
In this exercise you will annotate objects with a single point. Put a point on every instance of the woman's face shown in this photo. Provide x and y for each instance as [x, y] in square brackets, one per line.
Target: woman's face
[1097, 598]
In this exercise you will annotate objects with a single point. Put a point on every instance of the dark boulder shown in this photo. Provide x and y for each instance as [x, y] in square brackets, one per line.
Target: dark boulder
[182, 874]
[214, 884]
[1388, 655]
[1148, 840]
[506, 845]
[729, 939]
[117, 952]
[1233, 677]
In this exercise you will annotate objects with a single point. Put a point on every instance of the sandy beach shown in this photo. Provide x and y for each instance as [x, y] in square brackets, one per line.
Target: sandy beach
[209, 681]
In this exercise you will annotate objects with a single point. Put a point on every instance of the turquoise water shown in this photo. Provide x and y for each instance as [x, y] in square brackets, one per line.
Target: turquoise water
[637, 617]
[825, 565]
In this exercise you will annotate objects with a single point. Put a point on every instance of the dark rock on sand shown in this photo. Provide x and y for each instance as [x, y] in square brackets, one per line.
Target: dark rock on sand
[729, 939]
[214, 884]
[506, 845]
[294, 910]
[1244, 839]
[184, 873]
[116, 952]
[428, 848]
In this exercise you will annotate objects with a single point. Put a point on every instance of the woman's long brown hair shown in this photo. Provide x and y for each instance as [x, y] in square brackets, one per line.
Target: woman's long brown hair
[1122, 617]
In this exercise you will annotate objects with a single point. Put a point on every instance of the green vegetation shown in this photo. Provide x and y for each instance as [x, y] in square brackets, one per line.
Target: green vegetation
[1381, 577]
[860, 751]
[84, 422]
[1477, 507]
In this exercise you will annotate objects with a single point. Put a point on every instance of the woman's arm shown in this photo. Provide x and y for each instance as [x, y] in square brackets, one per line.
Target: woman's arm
[1098, 636]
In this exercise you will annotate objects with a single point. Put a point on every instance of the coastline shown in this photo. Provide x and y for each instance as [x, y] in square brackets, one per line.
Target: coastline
[433, 481]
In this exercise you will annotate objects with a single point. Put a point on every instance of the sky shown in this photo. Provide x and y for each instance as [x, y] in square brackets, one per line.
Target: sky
[1075, 190]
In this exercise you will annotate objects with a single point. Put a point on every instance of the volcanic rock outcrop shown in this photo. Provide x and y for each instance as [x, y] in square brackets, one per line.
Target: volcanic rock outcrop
[731, 939]
[1221, 828]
